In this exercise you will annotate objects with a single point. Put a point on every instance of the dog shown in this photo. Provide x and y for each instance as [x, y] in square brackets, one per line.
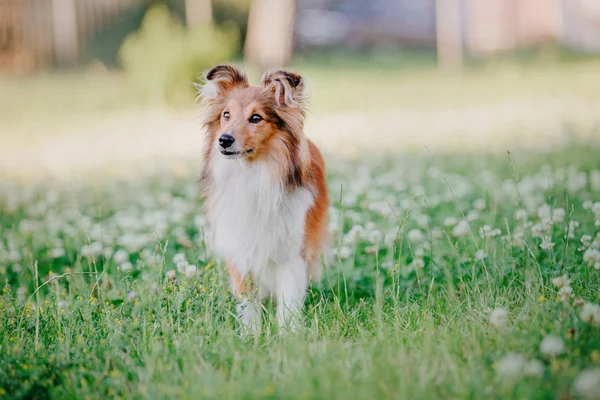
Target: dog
[264, 188]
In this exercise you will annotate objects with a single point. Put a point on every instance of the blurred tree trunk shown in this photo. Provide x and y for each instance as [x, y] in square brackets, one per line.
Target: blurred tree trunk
[64, 24]
[449, 33]
[269, 40]
[198, 12]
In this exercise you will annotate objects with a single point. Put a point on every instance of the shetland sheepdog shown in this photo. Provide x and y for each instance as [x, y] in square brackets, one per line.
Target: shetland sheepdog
[265, 190]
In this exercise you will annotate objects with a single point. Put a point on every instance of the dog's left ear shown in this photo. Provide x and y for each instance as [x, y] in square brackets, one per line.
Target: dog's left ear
[287, 87]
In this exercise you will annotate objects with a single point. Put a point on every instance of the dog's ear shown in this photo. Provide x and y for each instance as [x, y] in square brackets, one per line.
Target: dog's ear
[287, 87]
[220, 80]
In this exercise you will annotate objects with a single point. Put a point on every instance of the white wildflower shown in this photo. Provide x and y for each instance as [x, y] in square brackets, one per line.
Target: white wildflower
[561, 281]
[437, 233]
[546, 243]
[92, 250]
[590, 313]
[120, 257]
[592, 258]
[479, 204]
[486, 231]
[558, 215]
[499, 317]
[57, 252]
[171, 275]
[371, 249]
[126, 266]
[344, 252]
[587, 205]
[586, 240]
[552, 346]
[374, 236]
[587, 384]
[415, 235]
[131, 296]
[480, 255]
[190, 271]
[534, 369]
[473, 215]
[565, 293]
[544, 212]
[521, 214]
[450, 221]
[462, 228]
[571, 230]
[511, 366]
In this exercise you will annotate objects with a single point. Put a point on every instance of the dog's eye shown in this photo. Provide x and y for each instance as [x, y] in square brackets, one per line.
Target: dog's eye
[255, 118]
[226, 115]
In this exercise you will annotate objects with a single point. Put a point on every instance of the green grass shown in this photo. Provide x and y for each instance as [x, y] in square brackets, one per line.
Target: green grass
[398, 314]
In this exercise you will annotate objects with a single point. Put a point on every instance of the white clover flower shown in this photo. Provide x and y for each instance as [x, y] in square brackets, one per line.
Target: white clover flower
[371, 249]
[473, 215]
[353, 235]
[437, 233]
[190, 271]
[418, 263]
[171, 275]
[486, 231]
[511, 366]
[180, 260]
[533, 369]
[499, 317]
[565, 293]
[592, 258]
[374, 236]
[126, 266]
[544, 212]
[587, 205]
[450, 221]
[586, 240]
[415, 235]
[552, 346]
[92, 250]
[344, 252]
[558, 215]
[561, 281]
[461, 229]
[120, 257]
[479, 204]
[571, 230]
[587, 384]
[521, 214]
[57, 252]
[590, 313]
[546, 243]
[480, 255]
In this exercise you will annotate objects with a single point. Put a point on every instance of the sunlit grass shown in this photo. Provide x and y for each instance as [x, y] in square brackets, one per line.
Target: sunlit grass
[109, 289]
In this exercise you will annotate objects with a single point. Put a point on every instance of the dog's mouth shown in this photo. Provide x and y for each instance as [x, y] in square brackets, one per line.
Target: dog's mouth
[236, 154]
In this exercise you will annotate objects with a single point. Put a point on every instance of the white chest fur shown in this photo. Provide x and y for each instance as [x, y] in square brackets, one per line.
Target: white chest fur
[255, 224]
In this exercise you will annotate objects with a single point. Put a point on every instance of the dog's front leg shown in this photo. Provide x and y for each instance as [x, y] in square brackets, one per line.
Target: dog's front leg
[248, 310]
[291, 284]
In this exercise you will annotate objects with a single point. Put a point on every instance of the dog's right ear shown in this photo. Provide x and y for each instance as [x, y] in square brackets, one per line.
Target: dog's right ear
[220, 80]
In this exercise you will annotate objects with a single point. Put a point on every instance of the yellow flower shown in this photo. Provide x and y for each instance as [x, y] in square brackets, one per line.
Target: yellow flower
[541, 299]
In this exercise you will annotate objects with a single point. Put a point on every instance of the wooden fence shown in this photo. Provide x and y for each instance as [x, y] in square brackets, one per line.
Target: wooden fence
[36, 34]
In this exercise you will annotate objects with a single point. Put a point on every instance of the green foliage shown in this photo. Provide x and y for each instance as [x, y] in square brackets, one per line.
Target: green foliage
[163, 58]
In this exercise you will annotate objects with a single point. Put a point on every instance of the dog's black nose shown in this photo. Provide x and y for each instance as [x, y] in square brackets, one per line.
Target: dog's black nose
[226, 141]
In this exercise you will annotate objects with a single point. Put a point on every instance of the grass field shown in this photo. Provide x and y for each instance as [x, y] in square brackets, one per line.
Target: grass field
[457, 275]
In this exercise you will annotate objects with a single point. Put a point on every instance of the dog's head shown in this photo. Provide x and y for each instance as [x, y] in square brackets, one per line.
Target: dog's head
[247, 121]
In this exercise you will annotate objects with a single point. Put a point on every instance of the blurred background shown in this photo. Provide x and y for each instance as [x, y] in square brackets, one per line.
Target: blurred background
[103, 83]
